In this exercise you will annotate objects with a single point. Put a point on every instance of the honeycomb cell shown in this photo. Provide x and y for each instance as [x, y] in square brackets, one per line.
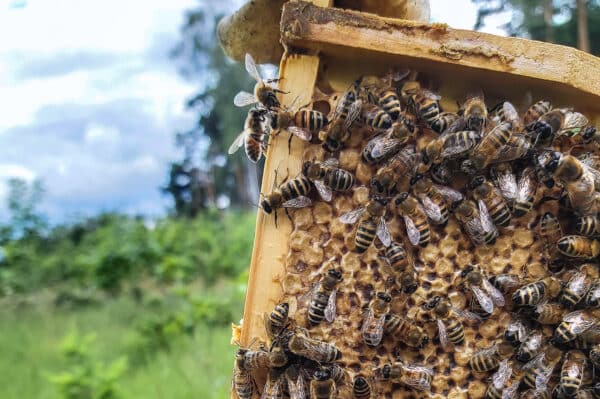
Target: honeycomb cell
[322, 212]
[349, 159]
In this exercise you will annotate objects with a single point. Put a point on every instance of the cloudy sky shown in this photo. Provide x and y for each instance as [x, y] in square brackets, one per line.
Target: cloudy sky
[89, 99]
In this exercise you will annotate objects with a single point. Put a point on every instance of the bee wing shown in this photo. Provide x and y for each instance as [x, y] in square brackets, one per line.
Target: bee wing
[484, 301]
[501, 376]
[430, 95]
[443, 334]
[330, 309]
[486, 220]
[578, 283]
[373, 326]
[244, 98]
[352, 216]
[526, 186]
[272, 388]
[237, 143]
[383, 233]
[324, 191]
[493, 292]
[414, 235]
[574, 370]
[303, 134]
[384, 145]
[579, 322]
[431, 209]
[594, 173]
[297, 389]
[448, 193]
[298, 202]
[506, 182]
[455, 150]
[251, 68]
[535, 362]
[330, 162]
[415, 382]
[574, 122]
[541, 380]
[353, 113]
[467, 315]
[303, 301]
[511, 391]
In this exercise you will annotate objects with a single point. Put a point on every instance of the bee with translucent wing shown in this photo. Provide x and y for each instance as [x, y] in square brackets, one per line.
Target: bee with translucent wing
[574, 324]
[530, 346]
[415, 219]
[348, 110]
[290, 194]
[274, 385]
[475, 112]
[537, 372]
[301, 123]
[295, 382]
[448, 319]
[499, 380]
[263, 92]
[483, 291]
[432, 201]
[536, 111]
[323, 296]
[392, 140]
[558, 122]
[371, 223]
[476, 222]
[327, 177]
[492, 199]
[506, 181]
[372, 328]
[516, 332]
[410, 375]
[489, 358]
[252, 137]
[526, 190]
[571, 373]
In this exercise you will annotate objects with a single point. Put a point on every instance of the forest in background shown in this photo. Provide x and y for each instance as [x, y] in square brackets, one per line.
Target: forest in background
[117, 306]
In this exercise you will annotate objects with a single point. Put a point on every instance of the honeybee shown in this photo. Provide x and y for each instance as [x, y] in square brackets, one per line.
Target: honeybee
[578, 180]
[588, 226]
[263, 92]
[361, 389]
[578, 247]
[401, 265]
[594, 355]
[483, 291]
[450, 327]
[319, 351]
[559, 121]
[571, 373]
[526, 190]
[492, 199]
[551, 232]
[367, 153]
[387, 179]
[415, 219]
[487, 149]
[515, 333]
[537, 371]
[499, 380]
[449, 146]
[391, 141]
[295, 382]
[475, 112]
[432, 201]
[530, 347]
[490, 358]
[338, 374]
[322, 385]
[302, 123]
[273, 388]
[372, 328]
[450, 122]
[243, 384]
[517, 147]
[534, 293]
[592, 298]
[323, 298]
[441, 173]
[262, 359]
[405, 331]
[574, 324]
[505, 283]
[252, 137]
[410, 375]
[376, 117]
[549, 313]
[371, 223]
[379, 92]
[477, 223]
[424, 103]
[291, 194]
[327, 177]
[536, 111]
[338, 130]
[277, 320]
[575, 289]
[506, 181]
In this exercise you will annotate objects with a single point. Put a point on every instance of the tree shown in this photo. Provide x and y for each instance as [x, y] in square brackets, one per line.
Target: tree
[537, 19]
[206, 174]
[23, 201]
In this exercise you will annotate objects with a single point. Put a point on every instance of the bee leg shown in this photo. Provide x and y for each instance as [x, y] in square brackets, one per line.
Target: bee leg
[288, 214]
[275, 218]
[290, 143]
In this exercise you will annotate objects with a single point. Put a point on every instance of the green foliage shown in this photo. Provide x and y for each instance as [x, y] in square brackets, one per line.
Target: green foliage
[86, 378]
[109, 250]
[23, 199]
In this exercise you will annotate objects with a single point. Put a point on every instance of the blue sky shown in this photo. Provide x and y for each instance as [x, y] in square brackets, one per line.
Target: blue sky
[89, 99]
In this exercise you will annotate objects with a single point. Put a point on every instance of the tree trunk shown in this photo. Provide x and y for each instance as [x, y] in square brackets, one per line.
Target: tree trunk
[548, 13]
[583, 39]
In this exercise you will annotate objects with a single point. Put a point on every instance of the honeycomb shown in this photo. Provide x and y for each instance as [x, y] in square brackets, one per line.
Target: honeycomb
[318, 235]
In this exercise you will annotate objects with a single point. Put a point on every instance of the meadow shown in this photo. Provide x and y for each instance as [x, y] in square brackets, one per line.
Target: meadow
[127, 322]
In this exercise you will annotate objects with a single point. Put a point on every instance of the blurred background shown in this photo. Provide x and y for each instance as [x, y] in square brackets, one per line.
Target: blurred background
[125, 230]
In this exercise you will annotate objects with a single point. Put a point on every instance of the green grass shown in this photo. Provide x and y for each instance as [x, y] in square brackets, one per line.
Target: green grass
[31, 337]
